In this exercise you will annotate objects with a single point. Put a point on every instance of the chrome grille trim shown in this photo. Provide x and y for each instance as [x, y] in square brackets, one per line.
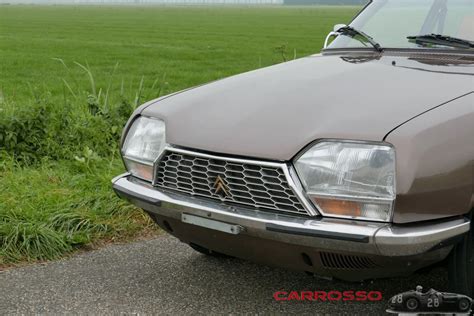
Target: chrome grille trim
[290, 199]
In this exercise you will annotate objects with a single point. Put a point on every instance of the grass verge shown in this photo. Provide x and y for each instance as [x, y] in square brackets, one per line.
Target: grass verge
[63, 207]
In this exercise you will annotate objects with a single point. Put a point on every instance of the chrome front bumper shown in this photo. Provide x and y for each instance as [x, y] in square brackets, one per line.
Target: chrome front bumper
[336, 235]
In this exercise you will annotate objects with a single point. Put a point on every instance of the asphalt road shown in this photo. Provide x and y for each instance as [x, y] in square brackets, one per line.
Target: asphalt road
[164, 276]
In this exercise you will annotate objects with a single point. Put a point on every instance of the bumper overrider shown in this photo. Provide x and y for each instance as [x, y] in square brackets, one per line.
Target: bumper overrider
[342, 248]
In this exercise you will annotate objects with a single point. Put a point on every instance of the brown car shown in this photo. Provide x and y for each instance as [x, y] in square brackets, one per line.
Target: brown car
[354, 163]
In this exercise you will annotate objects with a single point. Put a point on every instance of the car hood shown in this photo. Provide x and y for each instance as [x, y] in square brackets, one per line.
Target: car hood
[272, 113]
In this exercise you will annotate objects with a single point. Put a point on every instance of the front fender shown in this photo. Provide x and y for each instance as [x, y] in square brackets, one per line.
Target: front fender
[435, 155]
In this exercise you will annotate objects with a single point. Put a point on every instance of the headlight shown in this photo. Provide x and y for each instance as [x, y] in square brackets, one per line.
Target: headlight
[144, 142]
[350, 179]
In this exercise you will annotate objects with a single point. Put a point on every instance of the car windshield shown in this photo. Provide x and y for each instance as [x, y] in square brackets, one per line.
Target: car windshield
[390, 22]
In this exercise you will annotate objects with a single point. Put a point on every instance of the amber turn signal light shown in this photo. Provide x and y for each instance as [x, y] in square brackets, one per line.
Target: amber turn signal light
[339, 207]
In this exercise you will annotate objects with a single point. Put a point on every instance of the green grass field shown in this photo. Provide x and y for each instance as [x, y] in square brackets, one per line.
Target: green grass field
[70, 76]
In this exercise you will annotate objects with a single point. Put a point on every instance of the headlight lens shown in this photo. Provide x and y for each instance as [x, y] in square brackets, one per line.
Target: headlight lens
[350, 179]
[144, 142]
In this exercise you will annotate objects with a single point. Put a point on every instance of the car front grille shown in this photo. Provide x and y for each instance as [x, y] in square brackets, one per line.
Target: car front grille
[259, 185]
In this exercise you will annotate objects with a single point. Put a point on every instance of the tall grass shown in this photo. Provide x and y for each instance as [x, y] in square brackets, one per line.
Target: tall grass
[80, 121]
[57, 156]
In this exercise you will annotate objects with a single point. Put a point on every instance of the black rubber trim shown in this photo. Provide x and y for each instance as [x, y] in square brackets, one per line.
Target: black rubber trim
[320, 234]
[133, 195]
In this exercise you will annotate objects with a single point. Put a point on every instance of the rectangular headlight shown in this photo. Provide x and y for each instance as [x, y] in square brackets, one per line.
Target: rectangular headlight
[143, 144]
[350, 179]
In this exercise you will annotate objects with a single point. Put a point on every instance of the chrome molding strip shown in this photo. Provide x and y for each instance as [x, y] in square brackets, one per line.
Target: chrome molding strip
[209, 156]
[288, 170]
[420, 239]
[155, 163]
[297, 188]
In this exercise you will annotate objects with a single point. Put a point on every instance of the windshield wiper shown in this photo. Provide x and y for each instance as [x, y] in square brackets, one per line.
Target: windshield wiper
[438, 39]
[360, 36]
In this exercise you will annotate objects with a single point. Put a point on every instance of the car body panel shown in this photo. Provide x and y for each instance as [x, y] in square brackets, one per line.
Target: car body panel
[404, 99]
[435, 154]
[272, 113]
